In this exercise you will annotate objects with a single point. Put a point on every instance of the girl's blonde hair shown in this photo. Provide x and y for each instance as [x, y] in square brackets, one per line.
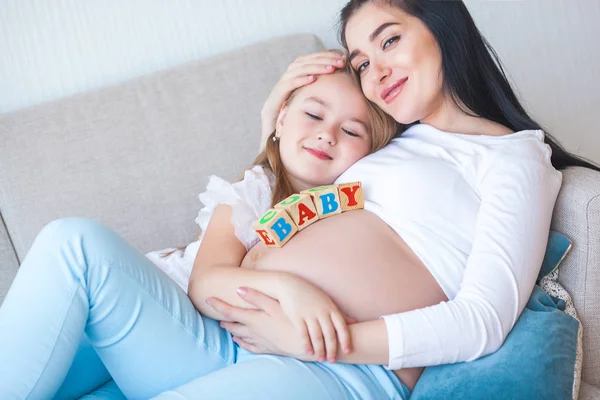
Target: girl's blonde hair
[382, 129]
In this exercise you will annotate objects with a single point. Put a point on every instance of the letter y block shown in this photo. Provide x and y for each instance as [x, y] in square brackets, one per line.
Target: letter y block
[351, 196]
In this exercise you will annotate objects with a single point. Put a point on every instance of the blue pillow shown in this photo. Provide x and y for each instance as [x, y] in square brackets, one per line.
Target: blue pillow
[556, 250]
[536, 361]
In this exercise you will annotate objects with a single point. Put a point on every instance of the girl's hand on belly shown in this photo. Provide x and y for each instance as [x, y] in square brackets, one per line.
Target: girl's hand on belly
[263, 331]
[267, 330]
[316, 317]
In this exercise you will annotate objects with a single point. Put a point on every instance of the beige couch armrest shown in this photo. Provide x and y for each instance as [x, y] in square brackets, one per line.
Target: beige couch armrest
[589, 392]
[577, 215]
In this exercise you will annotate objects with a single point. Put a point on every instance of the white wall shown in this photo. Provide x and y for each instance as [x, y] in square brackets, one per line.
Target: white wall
[551, 51]
[51, 49]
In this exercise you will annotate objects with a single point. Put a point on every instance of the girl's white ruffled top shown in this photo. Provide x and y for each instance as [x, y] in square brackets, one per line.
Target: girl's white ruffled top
[249, 199]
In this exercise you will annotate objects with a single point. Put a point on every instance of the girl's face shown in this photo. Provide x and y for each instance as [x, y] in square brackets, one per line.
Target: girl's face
[323, 130]
[398, 60]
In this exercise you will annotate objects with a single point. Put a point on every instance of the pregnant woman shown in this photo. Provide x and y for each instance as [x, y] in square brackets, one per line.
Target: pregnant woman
[457, 209]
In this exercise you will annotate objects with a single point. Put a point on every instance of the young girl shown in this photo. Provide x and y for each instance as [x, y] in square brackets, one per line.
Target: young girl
[321, 131]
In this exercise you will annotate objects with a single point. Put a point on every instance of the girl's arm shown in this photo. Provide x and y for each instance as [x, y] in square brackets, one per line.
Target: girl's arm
[270, 335]
[217, 272]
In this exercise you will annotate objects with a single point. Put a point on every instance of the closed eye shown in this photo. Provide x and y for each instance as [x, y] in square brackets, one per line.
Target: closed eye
[313, 116]
[349, 132]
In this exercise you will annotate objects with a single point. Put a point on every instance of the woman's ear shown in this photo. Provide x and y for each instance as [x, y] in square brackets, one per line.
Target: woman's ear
[280, 120]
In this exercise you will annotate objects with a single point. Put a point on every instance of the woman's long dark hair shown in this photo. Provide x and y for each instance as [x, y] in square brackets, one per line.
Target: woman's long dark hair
[472, 72]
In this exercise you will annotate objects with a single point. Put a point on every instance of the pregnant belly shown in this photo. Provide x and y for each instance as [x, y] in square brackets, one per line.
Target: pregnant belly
[360, 262]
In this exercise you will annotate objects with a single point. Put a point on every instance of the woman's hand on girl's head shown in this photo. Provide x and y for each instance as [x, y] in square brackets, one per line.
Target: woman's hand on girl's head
[301, 72]
[312, 337]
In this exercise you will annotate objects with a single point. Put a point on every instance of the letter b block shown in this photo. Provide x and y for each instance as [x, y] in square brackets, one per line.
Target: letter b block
[301, 208]
[275, 227]
[351, 196]
[326, 199]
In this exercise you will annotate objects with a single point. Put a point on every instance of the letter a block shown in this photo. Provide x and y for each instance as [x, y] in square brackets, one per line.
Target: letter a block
[351, 196]
[301, 208]
[326, 199]
[275, 228]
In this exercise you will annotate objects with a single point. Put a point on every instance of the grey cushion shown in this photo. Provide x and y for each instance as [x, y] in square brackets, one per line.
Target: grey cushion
[8, 261]
[577, 215]
[135, 156]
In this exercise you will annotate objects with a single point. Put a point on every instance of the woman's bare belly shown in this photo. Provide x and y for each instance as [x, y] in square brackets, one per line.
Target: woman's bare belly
[361, 263]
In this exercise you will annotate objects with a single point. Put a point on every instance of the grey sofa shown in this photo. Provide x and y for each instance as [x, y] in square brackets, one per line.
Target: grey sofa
[134, 156]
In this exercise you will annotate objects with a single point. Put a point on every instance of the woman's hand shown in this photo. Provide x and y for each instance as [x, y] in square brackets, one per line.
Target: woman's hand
[301, 72]
[269, 330]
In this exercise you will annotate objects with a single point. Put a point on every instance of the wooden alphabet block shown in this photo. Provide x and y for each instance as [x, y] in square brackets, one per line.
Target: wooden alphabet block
[301, 208]
[326, 199]
[351, 196]
[275, 227]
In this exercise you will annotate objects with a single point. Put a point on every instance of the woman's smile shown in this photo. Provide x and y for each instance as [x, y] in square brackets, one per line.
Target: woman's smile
[391, 92]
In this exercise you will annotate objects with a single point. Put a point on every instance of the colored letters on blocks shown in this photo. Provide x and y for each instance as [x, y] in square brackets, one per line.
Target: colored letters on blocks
[351, 196]
[275, 227]
[301, 208]
[326, 200]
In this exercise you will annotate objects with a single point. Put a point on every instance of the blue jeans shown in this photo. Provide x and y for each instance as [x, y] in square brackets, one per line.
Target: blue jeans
[88, 315]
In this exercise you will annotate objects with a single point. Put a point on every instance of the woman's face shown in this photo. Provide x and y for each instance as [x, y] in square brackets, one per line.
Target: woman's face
[398, 60]
[323, 130]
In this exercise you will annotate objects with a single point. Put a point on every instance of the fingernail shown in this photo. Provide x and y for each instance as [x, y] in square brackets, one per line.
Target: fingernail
[241, 291]
[309, 78]
[340, 63]
[329, 67]
[207, 301]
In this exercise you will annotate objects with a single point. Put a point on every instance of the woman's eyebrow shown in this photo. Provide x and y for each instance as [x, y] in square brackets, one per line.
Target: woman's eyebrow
[373, 36]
